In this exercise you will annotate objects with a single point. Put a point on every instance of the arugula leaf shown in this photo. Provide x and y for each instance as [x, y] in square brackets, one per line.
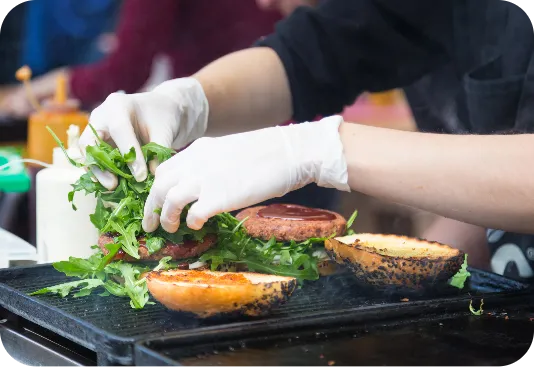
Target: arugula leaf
[308, 273]
[128, 239]
[287, 259]
[112, 248]
[76, 267]
[458, 280]
[96, 155]
[60, 144]
[87, 184]
[130, 156]
[101, 216]
[163, 264]
[473, 311]
[85, 268]
[154, 244]
[63, 290]
[115, 289]
[352, 218]
[152, 150]
[100, 141]
[138, 293]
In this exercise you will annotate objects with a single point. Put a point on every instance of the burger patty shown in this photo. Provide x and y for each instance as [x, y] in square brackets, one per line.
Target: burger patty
[287, 230]
[179, 251]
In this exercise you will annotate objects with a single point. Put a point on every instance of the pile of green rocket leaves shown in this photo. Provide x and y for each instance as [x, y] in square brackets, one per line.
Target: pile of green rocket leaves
[120, 212]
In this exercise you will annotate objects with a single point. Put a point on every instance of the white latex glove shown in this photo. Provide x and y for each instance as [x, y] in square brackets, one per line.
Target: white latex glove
[173, 114]
[236, 171]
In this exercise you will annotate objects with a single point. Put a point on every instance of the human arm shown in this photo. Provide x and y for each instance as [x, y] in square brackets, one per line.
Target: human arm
[140, 23]
[144, 29]
[481, 180]
[470, 178]
[363, 45]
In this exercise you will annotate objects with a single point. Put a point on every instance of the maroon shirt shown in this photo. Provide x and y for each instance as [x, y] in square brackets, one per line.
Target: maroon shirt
[191, 33]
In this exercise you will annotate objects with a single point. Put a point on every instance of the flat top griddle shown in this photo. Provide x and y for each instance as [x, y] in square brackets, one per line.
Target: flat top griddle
[498, 339]
[108, 326]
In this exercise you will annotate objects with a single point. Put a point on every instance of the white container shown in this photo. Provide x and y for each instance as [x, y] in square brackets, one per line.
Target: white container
[61, 231]
[13, 248]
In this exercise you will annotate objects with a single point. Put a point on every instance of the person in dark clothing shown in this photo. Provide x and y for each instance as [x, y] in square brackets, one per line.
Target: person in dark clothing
[191, 33]
[464, 64]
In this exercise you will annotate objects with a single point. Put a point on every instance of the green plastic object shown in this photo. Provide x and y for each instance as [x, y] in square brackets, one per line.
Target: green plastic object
[14, 178]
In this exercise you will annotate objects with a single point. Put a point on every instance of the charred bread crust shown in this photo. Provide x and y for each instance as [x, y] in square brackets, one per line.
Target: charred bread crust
[328, 267]
[222, 295]
[287, 230]
[377, 268]
[175, 251]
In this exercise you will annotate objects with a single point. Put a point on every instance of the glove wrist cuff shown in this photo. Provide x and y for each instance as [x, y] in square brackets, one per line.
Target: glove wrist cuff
[318, 153]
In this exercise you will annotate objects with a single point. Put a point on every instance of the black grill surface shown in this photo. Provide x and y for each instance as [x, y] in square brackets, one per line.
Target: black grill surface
[495, 338]
[110, 327]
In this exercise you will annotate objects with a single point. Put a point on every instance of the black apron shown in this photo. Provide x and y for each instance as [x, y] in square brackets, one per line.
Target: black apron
[488, 87]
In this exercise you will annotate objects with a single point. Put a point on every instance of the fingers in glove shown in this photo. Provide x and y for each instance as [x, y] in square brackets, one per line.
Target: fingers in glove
[161, 186]
[107, 179]
[122, 132]
[150, 218]
[175, 201]
[163, 138]
[200, 212]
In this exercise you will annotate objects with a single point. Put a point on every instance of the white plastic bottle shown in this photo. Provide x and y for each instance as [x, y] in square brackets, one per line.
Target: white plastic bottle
[61, 231]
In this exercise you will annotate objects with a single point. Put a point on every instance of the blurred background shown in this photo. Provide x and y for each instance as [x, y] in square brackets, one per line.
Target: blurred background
[89, 49]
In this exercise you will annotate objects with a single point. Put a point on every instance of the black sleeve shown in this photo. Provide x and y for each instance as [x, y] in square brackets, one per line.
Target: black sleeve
[344, 47]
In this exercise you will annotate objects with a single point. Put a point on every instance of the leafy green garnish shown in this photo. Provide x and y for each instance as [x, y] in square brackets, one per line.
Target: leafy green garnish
[350, 222]
[63, 290]
[235, 246]
[475, 312]
[60, 144]
[459, 279]
[135, 289]
[101, 216]
[164, 264]
[153, 150]
[120, 212]
[154, 244]
[98, 271]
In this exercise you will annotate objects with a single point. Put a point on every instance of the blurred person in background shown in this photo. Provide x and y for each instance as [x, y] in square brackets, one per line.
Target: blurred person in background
[66, 32]
[190, 33]
[11, 43]
[492, 96]
[52, 34]
[466, 69]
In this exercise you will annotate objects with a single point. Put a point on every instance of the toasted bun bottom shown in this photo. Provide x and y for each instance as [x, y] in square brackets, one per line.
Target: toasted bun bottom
[208, 294]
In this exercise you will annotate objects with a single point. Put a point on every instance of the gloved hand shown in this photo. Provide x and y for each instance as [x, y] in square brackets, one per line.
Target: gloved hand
[236, 171]
[173, 114]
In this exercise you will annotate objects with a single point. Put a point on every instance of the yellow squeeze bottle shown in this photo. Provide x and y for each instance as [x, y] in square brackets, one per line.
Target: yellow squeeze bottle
[58, 114]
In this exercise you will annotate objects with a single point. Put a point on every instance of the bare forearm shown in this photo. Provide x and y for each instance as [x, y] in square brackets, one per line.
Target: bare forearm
[482, 180]
[247, 89]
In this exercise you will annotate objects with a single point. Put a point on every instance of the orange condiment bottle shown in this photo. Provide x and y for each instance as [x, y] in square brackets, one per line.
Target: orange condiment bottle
[387, 98]
[58, 114]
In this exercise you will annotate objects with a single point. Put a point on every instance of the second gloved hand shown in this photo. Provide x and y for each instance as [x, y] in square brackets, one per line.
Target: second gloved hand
[236, 171]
